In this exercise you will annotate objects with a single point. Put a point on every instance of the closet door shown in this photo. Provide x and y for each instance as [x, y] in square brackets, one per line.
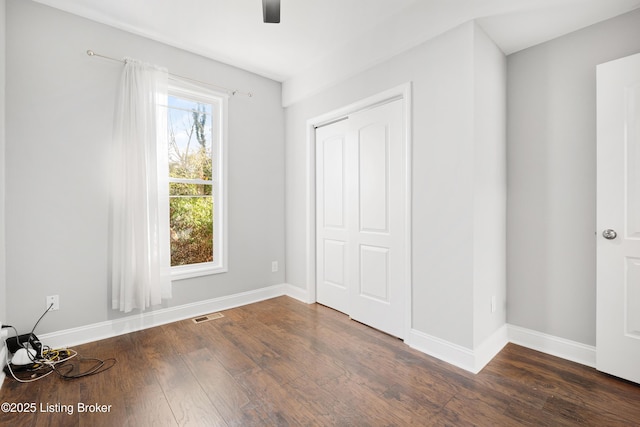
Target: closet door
[331, 217]
[361, 217]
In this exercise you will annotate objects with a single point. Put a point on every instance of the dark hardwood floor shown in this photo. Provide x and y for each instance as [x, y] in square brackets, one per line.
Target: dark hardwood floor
[282, 362]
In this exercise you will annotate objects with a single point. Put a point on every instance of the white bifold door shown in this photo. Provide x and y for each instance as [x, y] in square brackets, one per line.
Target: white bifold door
[361, 218]
[618, 218]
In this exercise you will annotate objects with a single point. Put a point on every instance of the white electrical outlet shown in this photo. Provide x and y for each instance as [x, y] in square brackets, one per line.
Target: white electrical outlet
[274, 266]
[55, 300]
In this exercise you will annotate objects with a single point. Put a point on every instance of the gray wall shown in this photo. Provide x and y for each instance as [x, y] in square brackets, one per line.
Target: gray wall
[552, 177]
[57, 142]
[490, 187]
[445, 76]
[3, 269]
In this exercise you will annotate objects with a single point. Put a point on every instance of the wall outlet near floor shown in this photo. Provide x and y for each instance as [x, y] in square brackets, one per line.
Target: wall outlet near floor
[274, 266]
[55, 300]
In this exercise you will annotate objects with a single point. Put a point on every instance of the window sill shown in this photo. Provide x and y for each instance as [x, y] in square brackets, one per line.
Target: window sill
[196, 270]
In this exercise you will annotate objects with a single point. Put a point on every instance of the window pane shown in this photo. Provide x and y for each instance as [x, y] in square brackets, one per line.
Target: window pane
[183, 189]
[190, 136]
[191, 223]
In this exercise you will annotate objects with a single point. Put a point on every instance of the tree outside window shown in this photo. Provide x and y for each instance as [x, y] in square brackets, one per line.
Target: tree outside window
[191, 199]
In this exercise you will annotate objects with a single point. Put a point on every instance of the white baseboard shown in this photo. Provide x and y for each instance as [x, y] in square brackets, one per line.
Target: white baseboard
[555, 346]
[454, 354]
[112, 328]
[490, 347]
[475, 360]
[295, 292]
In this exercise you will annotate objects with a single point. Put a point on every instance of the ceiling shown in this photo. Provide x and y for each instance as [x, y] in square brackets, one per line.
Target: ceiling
[315, 35]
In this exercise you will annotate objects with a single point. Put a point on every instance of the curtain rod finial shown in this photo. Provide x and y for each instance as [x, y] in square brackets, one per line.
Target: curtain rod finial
[90, 52]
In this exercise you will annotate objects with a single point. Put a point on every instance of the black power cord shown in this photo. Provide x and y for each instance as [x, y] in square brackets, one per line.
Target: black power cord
[35, 342]
[99, 367]
[30, 339]
[44, 360]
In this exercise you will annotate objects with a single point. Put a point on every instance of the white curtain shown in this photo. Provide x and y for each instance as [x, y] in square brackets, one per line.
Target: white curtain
[140, 259]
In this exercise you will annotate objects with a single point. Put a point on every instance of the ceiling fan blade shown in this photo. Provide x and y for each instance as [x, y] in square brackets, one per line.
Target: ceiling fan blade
[271, 11]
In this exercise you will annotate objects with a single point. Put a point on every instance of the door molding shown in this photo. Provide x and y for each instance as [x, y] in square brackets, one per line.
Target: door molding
[402, 92]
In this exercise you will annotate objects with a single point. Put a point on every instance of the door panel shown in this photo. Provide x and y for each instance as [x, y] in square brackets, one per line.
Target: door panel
[378, 240]
[632, 147]
[361, 217]
[618, 209]
[373, 150]
[331, 220]
[632, 297]
[334, 257]
[333, 186]
[374, 273]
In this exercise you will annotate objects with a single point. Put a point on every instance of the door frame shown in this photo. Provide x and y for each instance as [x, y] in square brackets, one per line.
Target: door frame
[400, 92]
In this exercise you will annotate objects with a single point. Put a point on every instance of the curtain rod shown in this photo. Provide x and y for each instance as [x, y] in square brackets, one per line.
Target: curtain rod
[231, 91]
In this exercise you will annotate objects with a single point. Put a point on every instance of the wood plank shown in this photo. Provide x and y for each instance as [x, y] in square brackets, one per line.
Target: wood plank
[229, 398]
[282, 407]
[189, 403]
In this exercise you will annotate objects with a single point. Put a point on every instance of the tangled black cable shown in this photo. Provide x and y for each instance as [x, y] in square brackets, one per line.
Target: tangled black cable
[58, 361]
[54, 359]
[99, 367]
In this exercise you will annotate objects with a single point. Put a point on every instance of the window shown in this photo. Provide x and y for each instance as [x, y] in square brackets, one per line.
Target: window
[197, 194]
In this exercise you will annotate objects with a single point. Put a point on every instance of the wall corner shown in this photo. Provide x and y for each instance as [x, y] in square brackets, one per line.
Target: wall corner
[490, 188]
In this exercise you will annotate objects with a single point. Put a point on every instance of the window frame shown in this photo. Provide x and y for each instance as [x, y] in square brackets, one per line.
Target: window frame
[220, 101]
